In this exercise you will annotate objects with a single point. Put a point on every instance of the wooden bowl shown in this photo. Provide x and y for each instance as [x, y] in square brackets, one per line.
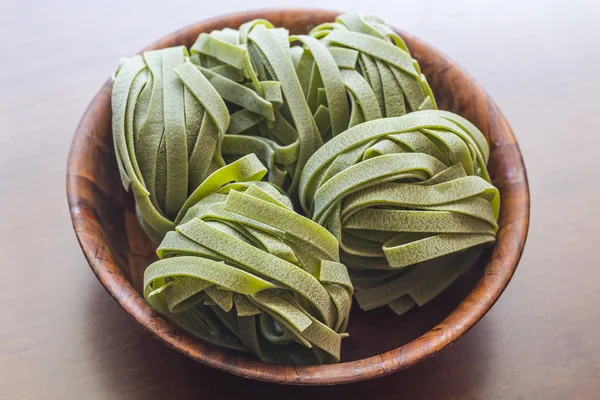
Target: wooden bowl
[380, 342]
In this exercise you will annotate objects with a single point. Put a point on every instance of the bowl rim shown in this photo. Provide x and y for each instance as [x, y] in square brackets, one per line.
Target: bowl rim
[498, 272]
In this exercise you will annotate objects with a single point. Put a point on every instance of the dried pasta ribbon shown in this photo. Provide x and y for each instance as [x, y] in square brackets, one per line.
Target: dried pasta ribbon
[392, 77]
[168, 127]
[410, 201]
[243, 270]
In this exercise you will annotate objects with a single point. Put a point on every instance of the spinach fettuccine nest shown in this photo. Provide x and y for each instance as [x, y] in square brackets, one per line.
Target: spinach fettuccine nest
[168, 126]
[222, 145]
[409, 200]
[245, 271]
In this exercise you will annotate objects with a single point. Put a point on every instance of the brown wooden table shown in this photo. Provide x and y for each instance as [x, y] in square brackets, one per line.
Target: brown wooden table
[63, 337]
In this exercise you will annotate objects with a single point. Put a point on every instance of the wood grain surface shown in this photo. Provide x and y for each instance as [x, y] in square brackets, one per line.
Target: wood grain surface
[63, 337]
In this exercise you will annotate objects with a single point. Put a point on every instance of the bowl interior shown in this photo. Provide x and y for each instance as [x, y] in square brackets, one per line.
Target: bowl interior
[380, 342]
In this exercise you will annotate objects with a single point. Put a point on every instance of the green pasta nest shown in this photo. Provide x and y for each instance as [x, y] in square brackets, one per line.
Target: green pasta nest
[219, 142]
[404, 197]
[244, 271]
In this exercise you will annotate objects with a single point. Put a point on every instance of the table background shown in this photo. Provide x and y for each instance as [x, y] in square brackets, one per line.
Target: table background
[63, 337]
